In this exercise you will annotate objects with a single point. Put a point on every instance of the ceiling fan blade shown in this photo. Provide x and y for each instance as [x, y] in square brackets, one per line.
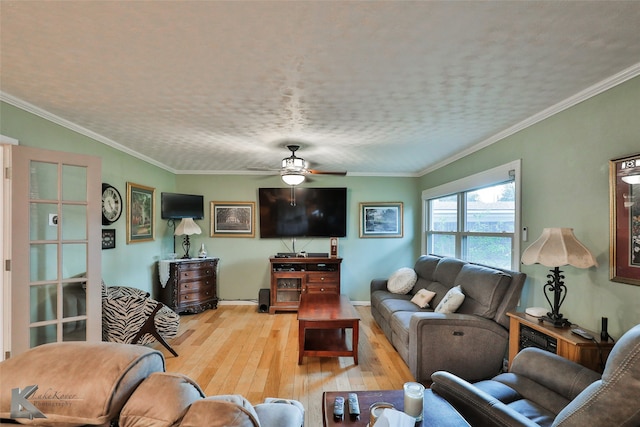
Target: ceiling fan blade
[317, 172]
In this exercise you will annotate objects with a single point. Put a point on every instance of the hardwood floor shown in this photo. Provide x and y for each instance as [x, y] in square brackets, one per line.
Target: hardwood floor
[236, 350]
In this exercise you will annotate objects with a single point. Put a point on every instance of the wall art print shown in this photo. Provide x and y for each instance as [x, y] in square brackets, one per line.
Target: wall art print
[624, 256]
[141, 201]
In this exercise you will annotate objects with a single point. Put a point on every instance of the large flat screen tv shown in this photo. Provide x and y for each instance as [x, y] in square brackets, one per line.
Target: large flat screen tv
[315, 212]
[176, 206]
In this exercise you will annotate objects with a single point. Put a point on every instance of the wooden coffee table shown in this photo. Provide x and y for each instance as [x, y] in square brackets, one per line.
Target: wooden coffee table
[437, 411]
[322, 323]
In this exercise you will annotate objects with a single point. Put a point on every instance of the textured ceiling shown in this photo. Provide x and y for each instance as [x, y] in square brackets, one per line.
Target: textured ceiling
[385, 88]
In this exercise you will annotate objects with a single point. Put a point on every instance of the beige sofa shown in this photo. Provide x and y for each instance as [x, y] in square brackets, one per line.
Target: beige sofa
[470, 342]
[78, 383]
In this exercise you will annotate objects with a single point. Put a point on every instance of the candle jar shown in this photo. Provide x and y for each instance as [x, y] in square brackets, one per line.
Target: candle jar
[375, 410]
[413, 399]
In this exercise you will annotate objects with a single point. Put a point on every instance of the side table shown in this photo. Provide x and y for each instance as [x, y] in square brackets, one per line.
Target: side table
[591, 354]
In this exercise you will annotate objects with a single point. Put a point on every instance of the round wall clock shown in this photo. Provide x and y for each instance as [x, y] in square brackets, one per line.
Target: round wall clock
[111, 204]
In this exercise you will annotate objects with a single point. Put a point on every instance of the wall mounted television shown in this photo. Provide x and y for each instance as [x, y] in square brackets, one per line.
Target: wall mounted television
[176, 206]
[317, 212]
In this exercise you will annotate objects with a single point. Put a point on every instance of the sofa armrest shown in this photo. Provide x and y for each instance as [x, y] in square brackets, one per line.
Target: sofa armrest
[467, 345]
[556, 373]
[480, 409]
[378, 285]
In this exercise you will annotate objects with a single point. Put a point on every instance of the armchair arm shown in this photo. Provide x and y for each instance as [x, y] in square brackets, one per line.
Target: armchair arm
[556, 373]
[467, 345]
[480, 409]
[378, 285]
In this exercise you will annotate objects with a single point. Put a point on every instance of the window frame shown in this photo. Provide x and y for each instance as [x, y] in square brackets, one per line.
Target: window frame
[494, 176]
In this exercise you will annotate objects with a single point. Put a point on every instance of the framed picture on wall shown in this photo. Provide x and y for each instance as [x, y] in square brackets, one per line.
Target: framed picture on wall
[108, 238]
[141, 201]
[381, 219]
[624, 248]
[233, 219]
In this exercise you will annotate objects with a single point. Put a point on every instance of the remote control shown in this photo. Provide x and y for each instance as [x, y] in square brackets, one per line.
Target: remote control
[338, 407]
[582, 333]
[354, 407]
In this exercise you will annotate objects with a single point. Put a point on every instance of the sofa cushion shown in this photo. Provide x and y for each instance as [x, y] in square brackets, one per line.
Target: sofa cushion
[78, 383]
[422, 298]
[424, 267]
[402, 280]
[399, 303]
[221, 411]
[484, 289]
[149, 408]
[451, 301]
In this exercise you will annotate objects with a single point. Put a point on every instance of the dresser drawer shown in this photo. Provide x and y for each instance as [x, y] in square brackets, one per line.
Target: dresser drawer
[204, 293]
[329, 277]
[196, 285]
[194, 273]
[329, 288]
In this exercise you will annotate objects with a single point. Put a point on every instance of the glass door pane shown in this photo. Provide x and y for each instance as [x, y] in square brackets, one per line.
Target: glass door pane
[58, 230]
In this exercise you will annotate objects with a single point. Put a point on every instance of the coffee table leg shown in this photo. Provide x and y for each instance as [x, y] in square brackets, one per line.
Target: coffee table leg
[355, 341]
[301, 334]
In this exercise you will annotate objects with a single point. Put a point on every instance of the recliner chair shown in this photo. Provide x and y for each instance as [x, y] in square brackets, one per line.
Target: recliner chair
[543, 389]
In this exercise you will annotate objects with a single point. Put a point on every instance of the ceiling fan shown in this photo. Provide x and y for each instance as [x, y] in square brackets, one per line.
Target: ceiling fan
[294, 169]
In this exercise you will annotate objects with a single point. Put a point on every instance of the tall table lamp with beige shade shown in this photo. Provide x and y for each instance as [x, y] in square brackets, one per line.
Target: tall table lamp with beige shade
[186, 228]
[555, 248]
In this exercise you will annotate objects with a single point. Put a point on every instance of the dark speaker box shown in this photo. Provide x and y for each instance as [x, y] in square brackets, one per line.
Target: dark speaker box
[264, 298]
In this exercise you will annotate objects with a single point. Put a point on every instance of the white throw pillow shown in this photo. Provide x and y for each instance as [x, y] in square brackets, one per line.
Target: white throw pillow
[402, 280]
[451, 301]
[422, 298]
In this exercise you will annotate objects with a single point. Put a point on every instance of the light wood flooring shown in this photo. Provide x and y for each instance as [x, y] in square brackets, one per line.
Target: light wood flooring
[234, 349]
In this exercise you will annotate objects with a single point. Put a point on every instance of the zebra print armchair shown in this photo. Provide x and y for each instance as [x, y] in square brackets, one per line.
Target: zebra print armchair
[131, 316]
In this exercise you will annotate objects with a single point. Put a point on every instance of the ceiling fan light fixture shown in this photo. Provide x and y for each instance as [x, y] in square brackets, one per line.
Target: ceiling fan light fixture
[294, 163]
[293, 178]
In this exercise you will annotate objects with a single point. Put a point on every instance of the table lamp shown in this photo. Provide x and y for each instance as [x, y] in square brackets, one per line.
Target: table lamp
[186, 228]
[554, 248]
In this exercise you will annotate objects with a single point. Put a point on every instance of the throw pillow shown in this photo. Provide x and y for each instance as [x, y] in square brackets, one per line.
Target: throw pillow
[451, 301]
[422, 298]
[402, 280]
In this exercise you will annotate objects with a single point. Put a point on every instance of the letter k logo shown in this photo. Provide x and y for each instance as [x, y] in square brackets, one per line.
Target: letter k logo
[21, 407]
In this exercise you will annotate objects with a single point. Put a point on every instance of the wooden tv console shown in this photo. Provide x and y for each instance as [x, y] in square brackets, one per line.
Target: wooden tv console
[291, 277]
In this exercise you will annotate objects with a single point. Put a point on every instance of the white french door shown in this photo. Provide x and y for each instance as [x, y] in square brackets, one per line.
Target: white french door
[55, 248]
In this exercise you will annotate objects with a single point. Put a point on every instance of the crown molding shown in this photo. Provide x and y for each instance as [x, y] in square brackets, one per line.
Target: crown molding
[19, 103]
[590, 92]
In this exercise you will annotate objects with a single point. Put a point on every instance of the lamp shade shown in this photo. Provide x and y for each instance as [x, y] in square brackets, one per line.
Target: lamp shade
[293, 178]
[187, 227]
[557, 247]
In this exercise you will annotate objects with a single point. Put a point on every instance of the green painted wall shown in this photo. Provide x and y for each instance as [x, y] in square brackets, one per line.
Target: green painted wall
[565, 183]
[244, 265]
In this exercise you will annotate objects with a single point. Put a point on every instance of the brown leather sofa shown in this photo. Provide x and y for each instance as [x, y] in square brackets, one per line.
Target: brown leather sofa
[543, 389]
[470, 342]
[79, 383]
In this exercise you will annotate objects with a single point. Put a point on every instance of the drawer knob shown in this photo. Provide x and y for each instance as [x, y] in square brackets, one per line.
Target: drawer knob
[322, 278]
[186, 297]
[321, 289]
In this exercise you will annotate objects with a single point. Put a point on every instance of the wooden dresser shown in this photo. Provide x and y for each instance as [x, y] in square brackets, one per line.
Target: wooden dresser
[191, 285]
